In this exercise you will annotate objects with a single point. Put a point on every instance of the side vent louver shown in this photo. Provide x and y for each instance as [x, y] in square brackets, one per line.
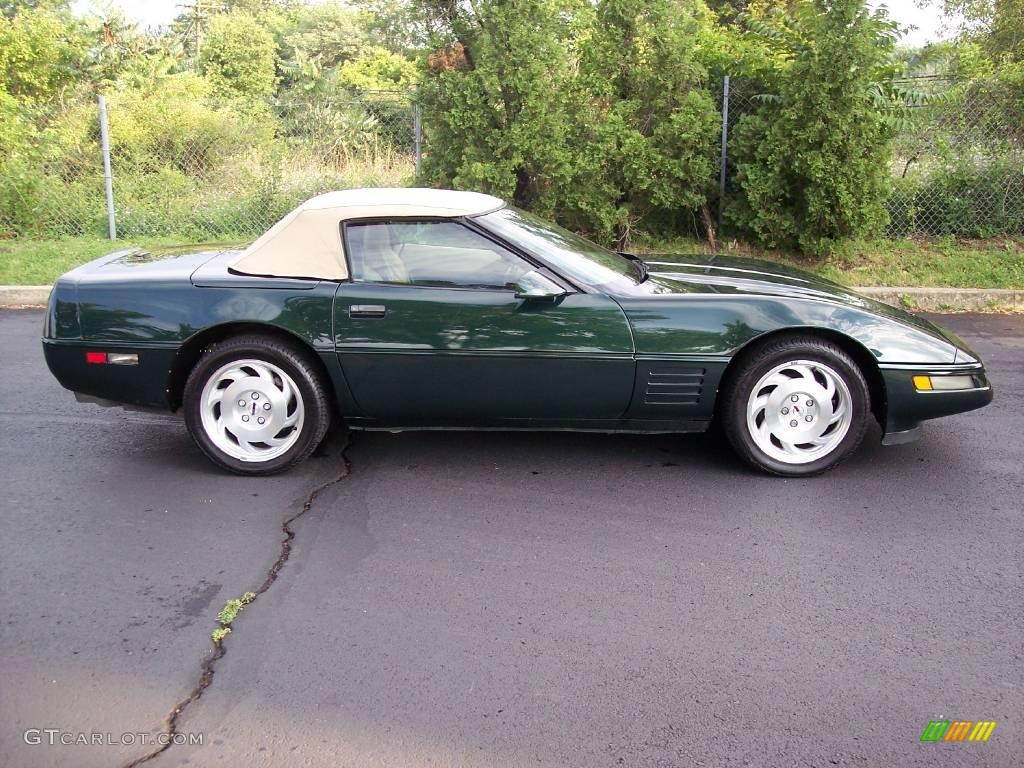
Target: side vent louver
[675, 386]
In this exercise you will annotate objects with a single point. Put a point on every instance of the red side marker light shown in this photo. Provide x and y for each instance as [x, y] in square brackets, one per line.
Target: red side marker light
[96, 358]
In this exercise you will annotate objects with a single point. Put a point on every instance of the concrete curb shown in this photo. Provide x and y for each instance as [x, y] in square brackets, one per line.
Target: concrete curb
[950, 299]
[929, 299]
[12, 296]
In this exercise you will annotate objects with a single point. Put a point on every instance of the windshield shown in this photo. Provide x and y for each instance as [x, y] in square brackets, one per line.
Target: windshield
[576, 257]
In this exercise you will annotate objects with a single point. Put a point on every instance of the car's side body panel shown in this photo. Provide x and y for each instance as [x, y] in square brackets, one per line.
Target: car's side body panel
[146, 304]
[701, 333]
[682, 386]
[449, 356]
[695, 313]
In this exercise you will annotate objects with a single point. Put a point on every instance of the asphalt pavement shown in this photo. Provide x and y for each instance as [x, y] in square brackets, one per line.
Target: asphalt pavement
[455, 599]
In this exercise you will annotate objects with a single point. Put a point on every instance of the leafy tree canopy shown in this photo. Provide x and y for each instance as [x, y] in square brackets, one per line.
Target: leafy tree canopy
[813, 160]
[648, 123]
[238, 56]
[40, 50]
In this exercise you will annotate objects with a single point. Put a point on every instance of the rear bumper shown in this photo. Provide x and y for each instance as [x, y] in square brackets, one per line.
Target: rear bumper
[907, 407]
[144, 384]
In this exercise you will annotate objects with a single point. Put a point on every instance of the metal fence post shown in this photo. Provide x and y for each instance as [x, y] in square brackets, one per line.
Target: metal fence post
[108, 181]
[418, 131]
[725, 151]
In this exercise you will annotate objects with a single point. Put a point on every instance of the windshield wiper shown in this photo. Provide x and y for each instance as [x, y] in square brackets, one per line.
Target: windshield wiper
[637, 262]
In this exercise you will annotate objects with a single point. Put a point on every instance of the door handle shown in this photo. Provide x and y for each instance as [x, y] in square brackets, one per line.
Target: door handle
[367, 310]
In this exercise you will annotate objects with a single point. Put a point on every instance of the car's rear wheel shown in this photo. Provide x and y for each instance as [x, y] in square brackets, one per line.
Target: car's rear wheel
[796, 406]
[256, 405]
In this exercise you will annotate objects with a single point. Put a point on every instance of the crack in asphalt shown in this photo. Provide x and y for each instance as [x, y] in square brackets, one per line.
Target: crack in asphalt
[208, 667]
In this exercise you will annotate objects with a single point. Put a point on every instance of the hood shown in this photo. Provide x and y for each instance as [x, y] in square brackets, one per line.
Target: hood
[702, 273]
[683, 273]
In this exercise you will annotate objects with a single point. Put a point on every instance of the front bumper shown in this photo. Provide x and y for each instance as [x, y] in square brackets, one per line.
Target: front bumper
[907, 406]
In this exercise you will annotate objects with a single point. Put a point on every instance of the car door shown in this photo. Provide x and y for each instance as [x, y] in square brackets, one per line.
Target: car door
[429, 332]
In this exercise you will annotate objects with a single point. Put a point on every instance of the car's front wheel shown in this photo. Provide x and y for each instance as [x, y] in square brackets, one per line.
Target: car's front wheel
[256, 405]
[796, 406]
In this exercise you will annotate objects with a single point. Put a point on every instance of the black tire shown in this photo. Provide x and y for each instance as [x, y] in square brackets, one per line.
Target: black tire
[308, 385]
[735, 395]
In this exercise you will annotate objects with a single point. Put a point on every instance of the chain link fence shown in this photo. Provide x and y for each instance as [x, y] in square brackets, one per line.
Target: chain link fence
[957, 164]
[207, 174]
[958, 169]
[738, 97]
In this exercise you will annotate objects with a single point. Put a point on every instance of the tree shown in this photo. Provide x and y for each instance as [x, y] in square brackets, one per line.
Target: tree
[11, 8]
[378, 70]
[812, 161]
[494, 97]
[331, 34]
[238, 56]
[40, 51]
[256, 7]
[997, 24]
[401, 26]
[645, 133]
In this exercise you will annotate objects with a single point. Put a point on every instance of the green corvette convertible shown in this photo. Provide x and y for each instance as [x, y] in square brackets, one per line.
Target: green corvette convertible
[432, 309]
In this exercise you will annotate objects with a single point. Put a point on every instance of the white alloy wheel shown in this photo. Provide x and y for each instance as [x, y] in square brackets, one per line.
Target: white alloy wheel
[799, 411]
[252, 410]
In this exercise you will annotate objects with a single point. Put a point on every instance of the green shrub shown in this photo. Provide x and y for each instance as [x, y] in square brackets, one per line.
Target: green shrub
[40, 50]
[182, 164]
[812, 162]
[238, 56]
[598, 114]
[643, 137]
[377, 69]
[495, 100]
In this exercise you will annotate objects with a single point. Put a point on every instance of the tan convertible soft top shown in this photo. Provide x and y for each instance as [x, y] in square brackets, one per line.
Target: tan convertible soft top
[307, 242]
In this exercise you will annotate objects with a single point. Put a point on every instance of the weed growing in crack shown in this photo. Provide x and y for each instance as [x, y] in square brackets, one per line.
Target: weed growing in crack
[208, 667]
[228, 614]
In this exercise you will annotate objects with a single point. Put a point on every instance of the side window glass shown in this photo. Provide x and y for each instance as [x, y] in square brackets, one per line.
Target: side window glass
[430, 253]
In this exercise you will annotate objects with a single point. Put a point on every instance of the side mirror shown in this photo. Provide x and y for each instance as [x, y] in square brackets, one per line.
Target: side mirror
[533, 286]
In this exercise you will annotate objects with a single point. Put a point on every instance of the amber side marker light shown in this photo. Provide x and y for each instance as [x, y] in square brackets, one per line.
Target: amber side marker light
[111, 358]
[943, 383]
